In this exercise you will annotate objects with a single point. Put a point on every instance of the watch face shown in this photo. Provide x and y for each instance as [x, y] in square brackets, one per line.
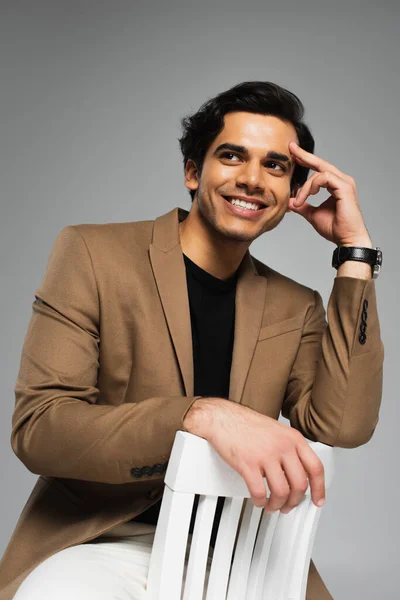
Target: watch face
[377, 265]
[379, 256]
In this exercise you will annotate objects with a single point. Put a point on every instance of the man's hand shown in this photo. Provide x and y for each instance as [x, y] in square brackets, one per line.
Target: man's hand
[339, 218]
[256, 446]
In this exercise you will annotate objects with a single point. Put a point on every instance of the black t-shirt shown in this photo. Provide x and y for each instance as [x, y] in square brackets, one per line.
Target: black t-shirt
[212, 316]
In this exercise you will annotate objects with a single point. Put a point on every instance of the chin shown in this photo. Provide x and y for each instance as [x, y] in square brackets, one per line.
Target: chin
[238, 236]
[235, 234]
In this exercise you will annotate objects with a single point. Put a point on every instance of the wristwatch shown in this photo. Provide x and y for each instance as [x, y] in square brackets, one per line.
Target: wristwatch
[372, 256]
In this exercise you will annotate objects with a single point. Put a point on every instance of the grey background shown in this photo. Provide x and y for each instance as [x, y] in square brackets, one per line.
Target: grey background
[90, 101]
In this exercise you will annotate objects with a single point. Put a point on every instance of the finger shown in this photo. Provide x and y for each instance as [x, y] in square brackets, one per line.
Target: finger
[297, 479]
[294, 200]
[306, 210]
[315, 472]
[312, 186]
[256, 486]
[278, 486]
[308, 159]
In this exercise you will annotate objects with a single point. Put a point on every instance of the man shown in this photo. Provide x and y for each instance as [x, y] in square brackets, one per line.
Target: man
[141, 329]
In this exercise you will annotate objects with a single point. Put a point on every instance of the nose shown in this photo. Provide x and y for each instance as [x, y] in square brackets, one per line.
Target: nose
[251, 176]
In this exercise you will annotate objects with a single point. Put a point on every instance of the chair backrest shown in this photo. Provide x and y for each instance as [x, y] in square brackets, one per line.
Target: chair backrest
[256, 555]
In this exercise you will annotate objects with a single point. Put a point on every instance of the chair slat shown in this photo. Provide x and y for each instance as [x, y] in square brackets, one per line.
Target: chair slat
[199, 547]
[302, 555]
[169, 546]
[258, 568]
[222, 557]
[244, 552]
[276, 582]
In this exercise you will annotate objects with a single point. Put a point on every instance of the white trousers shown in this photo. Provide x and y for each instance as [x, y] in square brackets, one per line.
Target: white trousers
[105, 569]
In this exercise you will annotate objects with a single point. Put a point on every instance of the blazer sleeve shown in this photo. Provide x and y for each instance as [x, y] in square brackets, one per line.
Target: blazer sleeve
[58, 429]
[334, 389]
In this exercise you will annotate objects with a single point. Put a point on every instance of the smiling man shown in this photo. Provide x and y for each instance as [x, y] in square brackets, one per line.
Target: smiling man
[244, 188]
[142, 329]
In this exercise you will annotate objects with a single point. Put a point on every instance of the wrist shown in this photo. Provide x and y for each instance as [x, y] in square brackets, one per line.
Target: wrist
[199, 418]
[352, 268]
[353, 259]
[363, 242]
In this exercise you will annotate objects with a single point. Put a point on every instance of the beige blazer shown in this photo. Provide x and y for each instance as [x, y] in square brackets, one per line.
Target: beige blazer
[106, 377]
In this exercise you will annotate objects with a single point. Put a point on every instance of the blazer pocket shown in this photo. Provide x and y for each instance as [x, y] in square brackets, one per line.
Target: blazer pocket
[270, 331]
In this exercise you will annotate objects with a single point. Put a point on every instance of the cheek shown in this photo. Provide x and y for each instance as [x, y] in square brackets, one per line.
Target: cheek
[282, 191]
[218, 175]
[279, 187]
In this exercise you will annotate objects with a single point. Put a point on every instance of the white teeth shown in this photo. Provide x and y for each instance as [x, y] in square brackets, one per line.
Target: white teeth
[249, 205]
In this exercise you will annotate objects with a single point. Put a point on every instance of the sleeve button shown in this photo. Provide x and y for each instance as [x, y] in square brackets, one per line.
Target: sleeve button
[147, 471]
[158, 468]
[363, 338]
[136, 472]
[364, 315]
[363, 327]
[365, 304]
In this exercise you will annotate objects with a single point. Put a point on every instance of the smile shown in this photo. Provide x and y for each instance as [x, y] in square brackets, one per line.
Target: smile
[243, 204]
[243, 208]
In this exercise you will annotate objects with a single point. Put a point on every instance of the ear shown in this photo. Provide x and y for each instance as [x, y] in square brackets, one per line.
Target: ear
[293, 194]
[294, 191]
[191, 175]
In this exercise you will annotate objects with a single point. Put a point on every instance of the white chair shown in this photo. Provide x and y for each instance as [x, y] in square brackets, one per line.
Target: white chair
[271, 557]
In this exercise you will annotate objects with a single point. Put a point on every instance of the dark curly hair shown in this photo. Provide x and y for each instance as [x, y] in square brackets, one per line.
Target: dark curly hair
[260, 97]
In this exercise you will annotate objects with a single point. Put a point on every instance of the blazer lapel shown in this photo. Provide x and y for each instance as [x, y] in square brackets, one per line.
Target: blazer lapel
[250, 301]
[169, 272]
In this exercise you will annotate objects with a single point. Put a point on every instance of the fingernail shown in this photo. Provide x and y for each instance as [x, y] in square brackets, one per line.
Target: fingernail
[321, 502]
[293, 142]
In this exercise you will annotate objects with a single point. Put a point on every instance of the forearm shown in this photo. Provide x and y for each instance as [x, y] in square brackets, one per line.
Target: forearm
[204, 416]
[334, 391]
[71, 438]
[352, 268]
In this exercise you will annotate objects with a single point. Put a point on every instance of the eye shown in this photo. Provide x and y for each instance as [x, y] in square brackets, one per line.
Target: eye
[277, 164]
[226, 154]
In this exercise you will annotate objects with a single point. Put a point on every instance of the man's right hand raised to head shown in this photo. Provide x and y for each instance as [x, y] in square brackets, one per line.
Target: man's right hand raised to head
[258, 446]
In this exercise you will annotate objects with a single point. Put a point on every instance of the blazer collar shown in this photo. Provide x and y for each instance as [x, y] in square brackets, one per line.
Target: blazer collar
[170, 275]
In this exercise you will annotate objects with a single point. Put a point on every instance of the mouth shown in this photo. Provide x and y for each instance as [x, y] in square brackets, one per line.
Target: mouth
[245, 208]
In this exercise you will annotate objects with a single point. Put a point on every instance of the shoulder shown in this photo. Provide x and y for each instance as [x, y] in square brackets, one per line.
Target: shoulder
[108, 237]
[109, 231]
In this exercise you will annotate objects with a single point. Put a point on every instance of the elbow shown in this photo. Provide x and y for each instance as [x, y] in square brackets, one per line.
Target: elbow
[354, 438]
[22, 450]
[349, 433]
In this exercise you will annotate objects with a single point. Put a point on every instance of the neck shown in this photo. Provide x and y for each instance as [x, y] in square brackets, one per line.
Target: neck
[210, 250]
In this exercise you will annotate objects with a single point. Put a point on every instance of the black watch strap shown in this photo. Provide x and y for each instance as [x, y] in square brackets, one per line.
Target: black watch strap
[372, 256]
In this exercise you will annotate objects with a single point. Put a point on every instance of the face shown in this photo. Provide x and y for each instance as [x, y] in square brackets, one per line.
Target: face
[241, 165]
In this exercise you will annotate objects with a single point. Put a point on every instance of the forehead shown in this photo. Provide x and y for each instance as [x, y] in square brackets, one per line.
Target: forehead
[256, 132]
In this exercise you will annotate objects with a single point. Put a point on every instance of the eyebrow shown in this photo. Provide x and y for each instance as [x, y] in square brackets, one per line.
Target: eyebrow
[243, 150]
